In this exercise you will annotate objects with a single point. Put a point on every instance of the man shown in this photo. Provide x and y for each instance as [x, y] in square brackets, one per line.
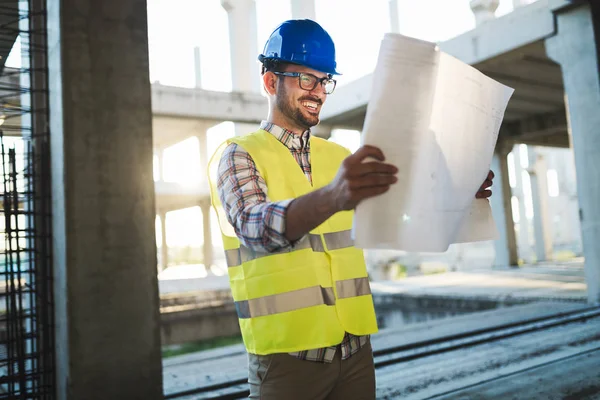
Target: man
[284, 201]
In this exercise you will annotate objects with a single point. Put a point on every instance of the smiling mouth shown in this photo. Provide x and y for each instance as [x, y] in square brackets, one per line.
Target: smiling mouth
[310, 105]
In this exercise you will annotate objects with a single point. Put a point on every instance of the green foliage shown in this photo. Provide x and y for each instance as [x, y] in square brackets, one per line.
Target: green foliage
[192, 347]
[397, 270]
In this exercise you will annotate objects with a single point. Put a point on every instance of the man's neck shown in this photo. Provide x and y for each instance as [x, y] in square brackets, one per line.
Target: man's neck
[285, 124]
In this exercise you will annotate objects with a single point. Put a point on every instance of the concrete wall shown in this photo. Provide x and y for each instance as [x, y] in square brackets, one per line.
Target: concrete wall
[196, 324]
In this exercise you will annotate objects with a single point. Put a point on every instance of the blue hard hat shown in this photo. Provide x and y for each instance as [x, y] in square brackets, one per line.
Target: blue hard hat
[302, 42]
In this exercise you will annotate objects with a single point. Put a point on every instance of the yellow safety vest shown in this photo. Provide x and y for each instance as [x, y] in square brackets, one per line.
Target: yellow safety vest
[309, 296]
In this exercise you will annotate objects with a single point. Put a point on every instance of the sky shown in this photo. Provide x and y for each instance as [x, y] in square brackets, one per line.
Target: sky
[175, 27]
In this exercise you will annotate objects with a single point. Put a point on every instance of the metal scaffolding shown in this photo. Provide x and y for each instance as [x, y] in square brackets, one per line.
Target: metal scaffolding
[26, 276]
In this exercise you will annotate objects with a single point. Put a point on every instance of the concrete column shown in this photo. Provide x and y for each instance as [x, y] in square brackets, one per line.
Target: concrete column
[542, 224]
[164, 247]
[394, 21]
[243, 34]
[484, 10]
[197, 68]
[576, 48]
[523, 238]
[208, 244]
[302, 9]
[204, 157]
[322, 131]
[103, 211]
[506, 245]
[161, 164]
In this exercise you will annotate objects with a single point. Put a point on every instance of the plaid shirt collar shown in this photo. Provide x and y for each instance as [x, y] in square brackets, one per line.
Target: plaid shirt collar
[288, 138]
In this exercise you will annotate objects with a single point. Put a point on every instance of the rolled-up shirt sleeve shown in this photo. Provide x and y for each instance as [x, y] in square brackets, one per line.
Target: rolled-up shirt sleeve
[258, 222]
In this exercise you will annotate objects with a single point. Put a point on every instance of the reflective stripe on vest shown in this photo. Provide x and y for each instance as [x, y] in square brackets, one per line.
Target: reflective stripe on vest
[303, 298]
[333, 241]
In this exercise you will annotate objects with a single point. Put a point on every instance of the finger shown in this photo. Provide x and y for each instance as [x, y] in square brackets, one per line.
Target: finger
[372, 181]
[372, 167]
[491, 175]
[367, 151]
[488, 183]
[483, 194]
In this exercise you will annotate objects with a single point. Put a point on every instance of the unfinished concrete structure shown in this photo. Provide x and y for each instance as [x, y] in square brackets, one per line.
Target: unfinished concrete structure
[103, 128]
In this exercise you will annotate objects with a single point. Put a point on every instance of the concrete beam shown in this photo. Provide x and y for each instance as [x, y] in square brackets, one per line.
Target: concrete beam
[560, 141]
[543, 130]
[174, 196]
[542, 125]
[346, 100]
[540, 90]
[524, 25]
[208, 105]
[576, 48]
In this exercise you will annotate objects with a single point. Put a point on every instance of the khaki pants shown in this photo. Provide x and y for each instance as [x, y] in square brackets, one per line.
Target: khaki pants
[283, 377]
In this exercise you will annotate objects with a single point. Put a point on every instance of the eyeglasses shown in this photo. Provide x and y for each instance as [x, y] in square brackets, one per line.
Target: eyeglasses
[309, 81]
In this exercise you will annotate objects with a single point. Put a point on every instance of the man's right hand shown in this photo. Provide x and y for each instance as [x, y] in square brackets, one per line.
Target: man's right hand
[357, 180]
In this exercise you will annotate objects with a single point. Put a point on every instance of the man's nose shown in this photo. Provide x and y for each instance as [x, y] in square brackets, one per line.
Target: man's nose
[319, 91]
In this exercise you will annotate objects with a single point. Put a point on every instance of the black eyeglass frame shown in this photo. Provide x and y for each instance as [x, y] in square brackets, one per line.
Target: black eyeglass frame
[318, 80]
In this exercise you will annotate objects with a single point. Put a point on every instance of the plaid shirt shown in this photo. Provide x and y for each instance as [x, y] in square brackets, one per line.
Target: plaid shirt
[260, 223]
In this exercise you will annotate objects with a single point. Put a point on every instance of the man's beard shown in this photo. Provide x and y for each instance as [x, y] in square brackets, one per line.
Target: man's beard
[284, 103]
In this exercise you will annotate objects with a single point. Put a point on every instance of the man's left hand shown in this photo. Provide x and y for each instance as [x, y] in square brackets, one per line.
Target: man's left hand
[484, 192]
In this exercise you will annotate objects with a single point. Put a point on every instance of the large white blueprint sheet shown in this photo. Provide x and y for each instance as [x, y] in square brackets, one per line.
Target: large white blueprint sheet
[437, 119]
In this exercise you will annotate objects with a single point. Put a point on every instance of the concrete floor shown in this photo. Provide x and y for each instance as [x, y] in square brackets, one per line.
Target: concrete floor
[564, 281]
[518, 366]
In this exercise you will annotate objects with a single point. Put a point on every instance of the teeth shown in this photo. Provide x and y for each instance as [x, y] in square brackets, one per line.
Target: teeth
[310, 105]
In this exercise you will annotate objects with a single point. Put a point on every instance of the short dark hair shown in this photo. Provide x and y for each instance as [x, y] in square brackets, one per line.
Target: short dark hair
[273, 66]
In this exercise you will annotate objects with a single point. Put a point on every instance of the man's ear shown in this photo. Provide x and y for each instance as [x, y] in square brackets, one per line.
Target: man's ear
[270, 82]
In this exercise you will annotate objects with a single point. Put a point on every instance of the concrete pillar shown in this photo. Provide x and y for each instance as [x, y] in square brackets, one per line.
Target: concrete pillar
[204, 157]
[506, 245]
[197, 68]
[576, 48]
[160, 155]
[484, 10]
[523, 238]
[322, 131]
[394, 20]
[208, 244]
[542, 224]
[302, 9]
[103, 209]
[164, 247]
[243, 34]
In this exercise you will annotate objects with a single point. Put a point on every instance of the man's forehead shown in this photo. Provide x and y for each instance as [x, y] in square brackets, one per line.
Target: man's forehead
[301, 68]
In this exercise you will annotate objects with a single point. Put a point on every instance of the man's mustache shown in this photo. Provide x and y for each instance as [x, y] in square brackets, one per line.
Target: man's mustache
[316, 100]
